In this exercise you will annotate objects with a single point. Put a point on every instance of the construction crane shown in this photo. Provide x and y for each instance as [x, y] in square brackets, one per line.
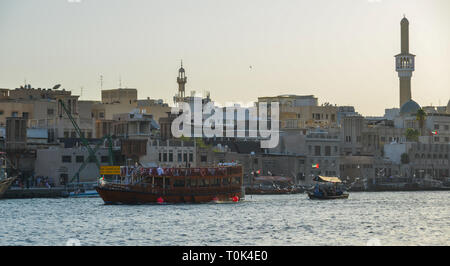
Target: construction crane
[85, 143]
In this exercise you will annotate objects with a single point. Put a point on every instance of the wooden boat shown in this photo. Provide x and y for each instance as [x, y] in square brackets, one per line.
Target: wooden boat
[176, 185]
[327, 197]
[328, 188]
[5, 184]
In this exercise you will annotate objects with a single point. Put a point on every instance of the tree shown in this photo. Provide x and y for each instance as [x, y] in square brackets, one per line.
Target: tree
[412, 134]
[421, 116]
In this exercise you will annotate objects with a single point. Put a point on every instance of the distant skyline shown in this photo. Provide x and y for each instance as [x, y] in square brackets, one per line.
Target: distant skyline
[341, 51]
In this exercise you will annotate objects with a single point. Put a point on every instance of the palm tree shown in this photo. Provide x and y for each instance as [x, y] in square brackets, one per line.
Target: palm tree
[421, 115]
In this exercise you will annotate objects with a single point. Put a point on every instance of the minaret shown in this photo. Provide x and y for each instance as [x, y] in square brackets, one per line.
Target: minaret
[181, 80]
[404, 64]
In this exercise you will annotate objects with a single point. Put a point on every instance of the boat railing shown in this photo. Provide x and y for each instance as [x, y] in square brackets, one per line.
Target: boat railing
[184, 172]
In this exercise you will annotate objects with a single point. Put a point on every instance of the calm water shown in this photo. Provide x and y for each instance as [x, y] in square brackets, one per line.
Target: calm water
[400, 218]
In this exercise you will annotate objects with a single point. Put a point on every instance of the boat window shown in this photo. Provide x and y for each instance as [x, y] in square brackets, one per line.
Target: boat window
[225, 181]
[215, 182]
[178, 183]
[188, 182]
[203, 182]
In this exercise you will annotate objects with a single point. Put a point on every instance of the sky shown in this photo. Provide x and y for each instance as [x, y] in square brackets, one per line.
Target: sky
[341, 51]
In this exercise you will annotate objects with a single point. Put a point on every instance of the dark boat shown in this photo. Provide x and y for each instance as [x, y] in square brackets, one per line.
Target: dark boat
[328, 188]
[342, 196]
[5, 182]
[175, 185]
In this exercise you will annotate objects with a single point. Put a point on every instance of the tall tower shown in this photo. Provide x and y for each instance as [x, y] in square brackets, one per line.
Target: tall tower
[181, 80]
[404, 63]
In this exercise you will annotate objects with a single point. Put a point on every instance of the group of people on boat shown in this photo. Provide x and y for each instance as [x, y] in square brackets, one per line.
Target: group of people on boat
[327, 190]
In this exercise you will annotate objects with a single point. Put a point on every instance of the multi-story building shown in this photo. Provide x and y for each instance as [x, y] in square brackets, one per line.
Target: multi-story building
[298, 112]
[134, 125]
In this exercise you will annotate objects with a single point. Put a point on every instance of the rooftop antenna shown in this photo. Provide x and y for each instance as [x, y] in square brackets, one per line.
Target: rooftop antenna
[81, 93]
[101, 82]
[120, 81]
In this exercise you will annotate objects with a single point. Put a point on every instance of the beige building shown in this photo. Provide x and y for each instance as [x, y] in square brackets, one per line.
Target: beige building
[42, 110]
[156, 108]
[61, 164]
[298, 112]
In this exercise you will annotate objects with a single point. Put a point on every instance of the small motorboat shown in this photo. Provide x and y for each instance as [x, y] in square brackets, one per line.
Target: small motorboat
[328, 188]
[326, 197]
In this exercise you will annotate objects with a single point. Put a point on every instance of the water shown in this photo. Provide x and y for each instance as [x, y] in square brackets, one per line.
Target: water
[386, 218]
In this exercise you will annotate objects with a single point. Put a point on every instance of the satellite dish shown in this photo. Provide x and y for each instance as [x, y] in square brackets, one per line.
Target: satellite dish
[57, 86]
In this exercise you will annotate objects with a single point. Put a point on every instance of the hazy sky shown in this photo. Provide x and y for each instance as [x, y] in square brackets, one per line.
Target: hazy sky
[342, 51]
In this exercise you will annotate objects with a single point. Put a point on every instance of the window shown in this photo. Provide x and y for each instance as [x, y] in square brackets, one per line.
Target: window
[67, 159]
[170, 156]
[446, 127]
[91, 159]
[436, 126]
[185, 157]
[50, 111]
[14, 114]
[160, 157]
[327, 151]
[203, 158]
[316, 150]
[164, 157]
[104, 159]
[79, 159]
[1, 112]
[179, 156]
[191, 157]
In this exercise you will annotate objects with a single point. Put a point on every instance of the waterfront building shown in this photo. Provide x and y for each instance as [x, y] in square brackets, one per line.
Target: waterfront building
[42, 110]
[420, 160]
[61, 163]
[323, 150]
[170, 153]
[156, 108]
[352, 127]
[299, 112]
[134, 125]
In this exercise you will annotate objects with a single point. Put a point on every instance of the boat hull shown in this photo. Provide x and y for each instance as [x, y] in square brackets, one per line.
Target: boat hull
[128, 195]
[5, 184]
[314, 197]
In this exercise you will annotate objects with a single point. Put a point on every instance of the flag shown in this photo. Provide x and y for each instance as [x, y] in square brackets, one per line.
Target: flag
[315, 166]
[434, 132]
